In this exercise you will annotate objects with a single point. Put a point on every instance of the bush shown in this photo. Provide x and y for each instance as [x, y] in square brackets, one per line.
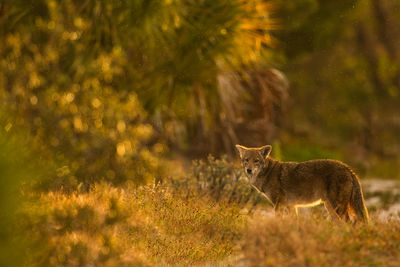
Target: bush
[221, 180]
[65, 79]
[72, 72]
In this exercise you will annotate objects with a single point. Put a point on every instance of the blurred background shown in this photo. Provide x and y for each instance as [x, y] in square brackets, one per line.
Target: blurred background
[112, 90]
[109, 89]
[133, 91]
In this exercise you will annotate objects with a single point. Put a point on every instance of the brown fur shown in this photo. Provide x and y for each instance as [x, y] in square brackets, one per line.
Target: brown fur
[295, 184]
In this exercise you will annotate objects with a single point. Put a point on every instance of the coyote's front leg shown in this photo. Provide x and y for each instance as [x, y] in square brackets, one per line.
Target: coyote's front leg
[277, 208]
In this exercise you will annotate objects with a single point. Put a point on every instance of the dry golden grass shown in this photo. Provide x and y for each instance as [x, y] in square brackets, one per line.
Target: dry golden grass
[315, 241]
[143, 226]
[201, 221]
[146, 226]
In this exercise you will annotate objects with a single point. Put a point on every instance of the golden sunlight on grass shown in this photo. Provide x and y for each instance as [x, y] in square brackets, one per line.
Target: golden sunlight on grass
[271, 241]
[112, 227]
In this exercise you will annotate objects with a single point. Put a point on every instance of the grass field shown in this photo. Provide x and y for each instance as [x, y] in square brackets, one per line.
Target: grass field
[111, 226]
[167, 225]
[315, 241]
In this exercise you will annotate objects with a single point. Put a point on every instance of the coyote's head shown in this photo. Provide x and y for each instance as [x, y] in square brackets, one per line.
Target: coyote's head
[253, 160]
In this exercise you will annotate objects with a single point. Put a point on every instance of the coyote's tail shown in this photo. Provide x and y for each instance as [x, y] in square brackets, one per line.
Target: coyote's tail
[357, 200]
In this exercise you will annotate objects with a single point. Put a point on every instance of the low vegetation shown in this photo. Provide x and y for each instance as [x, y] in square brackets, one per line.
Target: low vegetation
[271, 241]
[112, 226]
[184, 221]
[154, 225]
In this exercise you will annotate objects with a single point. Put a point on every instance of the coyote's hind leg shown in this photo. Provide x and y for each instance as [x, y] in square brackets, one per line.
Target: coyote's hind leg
[332, 212]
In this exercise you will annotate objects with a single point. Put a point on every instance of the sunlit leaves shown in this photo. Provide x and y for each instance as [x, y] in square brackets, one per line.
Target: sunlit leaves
[75, 72]
[71, 88]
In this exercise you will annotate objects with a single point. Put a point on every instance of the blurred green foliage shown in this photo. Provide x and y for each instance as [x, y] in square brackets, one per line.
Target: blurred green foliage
[302, 151]
[104, 87]
[342, 61]
[67, 78]
[9, 181]
[312, 25]
[79, 75]
[18, 170]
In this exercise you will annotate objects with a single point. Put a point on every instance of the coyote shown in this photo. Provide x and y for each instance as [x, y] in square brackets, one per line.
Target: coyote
[297, 184]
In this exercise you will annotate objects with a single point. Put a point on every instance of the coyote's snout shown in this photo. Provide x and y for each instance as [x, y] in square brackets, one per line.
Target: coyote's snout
[306, 183]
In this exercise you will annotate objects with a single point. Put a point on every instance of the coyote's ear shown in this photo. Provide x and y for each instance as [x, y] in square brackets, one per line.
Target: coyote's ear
[241, 149]
[265, 150]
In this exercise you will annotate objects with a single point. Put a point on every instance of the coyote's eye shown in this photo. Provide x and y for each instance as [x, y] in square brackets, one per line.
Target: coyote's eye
[246, 160]
[256, 161]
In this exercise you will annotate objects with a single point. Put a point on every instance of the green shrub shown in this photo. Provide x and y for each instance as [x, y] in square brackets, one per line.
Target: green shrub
[66, 79]
[221, 180]
[73, 71]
